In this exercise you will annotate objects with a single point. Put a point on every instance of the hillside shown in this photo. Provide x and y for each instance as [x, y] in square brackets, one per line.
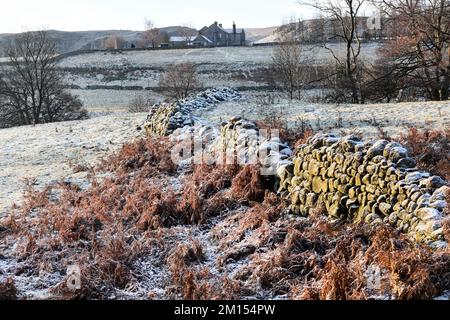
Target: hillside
[119, 77]
[139, 226]
[256, 34]
[81, 40]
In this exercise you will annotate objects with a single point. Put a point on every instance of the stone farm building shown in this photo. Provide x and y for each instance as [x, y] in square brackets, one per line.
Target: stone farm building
[222, 37]
[213, 36]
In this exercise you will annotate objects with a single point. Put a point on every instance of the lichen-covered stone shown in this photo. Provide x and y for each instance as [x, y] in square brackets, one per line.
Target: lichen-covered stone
[385, 208]
[377, 149]
[374, 182]
[165, 118]
[434, 182]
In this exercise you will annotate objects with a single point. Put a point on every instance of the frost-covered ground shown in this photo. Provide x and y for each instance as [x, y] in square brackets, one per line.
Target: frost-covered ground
[48, 151]
[129, 73]
[229, 55]
[393, 118]
[111, 101]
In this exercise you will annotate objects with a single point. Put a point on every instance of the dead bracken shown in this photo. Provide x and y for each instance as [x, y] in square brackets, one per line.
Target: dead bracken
[218, 233]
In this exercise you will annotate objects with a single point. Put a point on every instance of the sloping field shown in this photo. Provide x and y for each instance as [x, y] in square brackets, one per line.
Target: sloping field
[229, 55]
[392, 118]
[117, 77]
[47, 152]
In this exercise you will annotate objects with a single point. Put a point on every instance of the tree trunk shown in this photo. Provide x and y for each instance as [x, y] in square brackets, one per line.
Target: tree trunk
[446, 82]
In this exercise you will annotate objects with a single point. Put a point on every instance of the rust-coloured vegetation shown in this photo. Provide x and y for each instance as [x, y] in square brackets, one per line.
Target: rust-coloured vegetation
[431, 148]
[294, 135]
[147, 229]
[8, 289]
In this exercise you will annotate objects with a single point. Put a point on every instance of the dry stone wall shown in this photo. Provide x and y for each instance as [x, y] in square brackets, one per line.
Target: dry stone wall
[165, 118]
[242, 141]
[371, 182]
[238, 141]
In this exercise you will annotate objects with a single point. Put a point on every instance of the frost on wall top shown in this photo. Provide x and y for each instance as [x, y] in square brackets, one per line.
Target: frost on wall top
[371, 182]
[164, 119]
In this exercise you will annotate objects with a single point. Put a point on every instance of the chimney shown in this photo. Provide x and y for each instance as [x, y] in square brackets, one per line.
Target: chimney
[220, 25]
[234, 28]
[215, 22]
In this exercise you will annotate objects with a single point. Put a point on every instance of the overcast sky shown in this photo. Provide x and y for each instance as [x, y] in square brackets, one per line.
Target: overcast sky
[72, 15]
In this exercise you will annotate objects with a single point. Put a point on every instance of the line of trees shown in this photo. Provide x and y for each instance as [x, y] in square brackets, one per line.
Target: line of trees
[153, 36]
[32, 89]
[419, 55]
[414, 61]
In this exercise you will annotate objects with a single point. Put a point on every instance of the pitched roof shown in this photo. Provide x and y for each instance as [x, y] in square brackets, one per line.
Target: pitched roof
[182, 39]
[203, 37]
[230, 31]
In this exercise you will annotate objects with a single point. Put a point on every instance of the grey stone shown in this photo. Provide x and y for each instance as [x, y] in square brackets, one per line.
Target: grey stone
[406, 163]
[377, 149]
[427, 214]
[434, 182]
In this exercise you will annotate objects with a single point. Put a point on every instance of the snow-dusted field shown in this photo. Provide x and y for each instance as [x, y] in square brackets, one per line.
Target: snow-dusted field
[217, 67]
[48, 151]
[110, 101]
[230, 55]
[393, 118]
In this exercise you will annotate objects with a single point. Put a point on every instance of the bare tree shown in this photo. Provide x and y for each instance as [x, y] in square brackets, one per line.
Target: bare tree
[180, 80]
[425, 58]
[317, 30]
[294, 30]
[114, 43]
[153, 36]
[139, 104]
[343, 17]
[187, 32]
[287, 65]
[385, 80]
[32, 89]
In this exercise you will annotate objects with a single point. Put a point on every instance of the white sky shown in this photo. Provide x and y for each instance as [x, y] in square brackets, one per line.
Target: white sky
[73, 15]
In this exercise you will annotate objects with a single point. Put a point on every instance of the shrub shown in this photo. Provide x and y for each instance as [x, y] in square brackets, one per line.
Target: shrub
[8, 289]
[139, 105]
[149, 154]
[180, 80]
[249, 184]
[431, 149]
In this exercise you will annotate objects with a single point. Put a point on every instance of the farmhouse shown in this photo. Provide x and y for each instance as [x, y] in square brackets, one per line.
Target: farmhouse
[202, 41]
[221, 37]
[213, 36]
